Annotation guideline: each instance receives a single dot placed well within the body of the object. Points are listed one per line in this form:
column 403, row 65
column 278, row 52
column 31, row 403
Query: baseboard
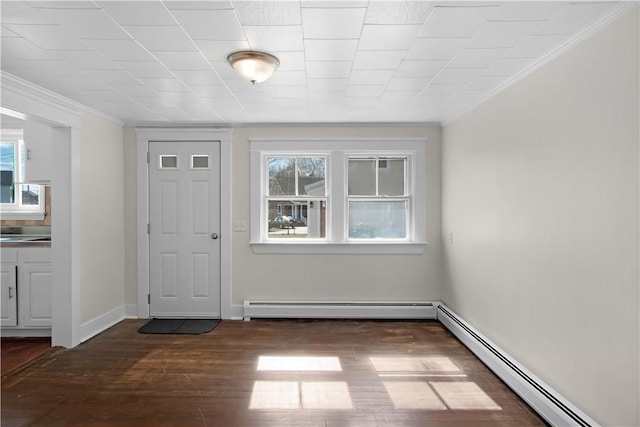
column 340, row 309
column 103, row 322
column 131, row 311
column 548, row 403
column 25, row 332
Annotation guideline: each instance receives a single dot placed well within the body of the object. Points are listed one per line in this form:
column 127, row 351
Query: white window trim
column 338, row 151
column 15, row 211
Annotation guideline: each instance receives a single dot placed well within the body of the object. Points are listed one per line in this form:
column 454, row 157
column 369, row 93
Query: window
column 18, row 200
column 338, row 196
column 296, row 202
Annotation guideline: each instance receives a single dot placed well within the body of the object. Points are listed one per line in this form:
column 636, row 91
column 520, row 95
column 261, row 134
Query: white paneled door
column 184, row 223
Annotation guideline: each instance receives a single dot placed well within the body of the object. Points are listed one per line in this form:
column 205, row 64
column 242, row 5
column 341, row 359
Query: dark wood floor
column 17, row 352
column 265, row 373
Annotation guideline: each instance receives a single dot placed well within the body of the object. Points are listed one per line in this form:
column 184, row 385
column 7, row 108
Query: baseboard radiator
column 543, row 399
column 339, row 309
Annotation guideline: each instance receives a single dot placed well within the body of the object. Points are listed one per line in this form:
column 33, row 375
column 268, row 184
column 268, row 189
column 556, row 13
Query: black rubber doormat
column 179, row 326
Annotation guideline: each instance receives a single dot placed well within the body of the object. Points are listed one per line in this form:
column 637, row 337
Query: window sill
column 21, row 216
column 316, row 248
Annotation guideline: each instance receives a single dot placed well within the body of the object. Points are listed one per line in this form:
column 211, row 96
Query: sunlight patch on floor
column 413, row 395
column 464, row 395
column 275, row 395
column 414, row 364
column 326, row 395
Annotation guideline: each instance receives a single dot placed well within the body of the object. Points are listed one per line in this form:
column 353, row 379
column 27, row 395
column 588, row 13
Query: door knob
column 214, row 236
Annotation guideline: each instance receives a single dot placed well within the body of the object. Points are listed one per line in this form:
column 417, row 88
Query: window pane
column 311, row 176
column 7, row 170
column 391, row 177
column 297, row 219
column 362, row 177
column 169, row 161
column 30, row 195
column 200, row 161
column 282, row 180
column 370, row 220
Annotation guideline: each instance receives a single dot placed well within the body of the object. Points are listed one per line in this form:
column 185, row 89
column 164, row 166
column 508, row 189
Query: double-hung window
column 17, row 200
column 338, row 196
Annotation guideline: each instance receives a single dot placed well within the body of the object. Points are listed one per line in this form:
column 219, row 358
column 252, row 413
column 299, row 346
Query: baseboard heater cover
column 339, row 309
column 549, row 404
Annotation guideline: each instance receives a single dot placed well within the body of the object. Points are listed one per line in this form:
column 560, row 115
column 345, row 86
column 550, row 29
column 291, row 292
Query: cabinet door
column 8, row 297
column 35, row 295
column 37, row 142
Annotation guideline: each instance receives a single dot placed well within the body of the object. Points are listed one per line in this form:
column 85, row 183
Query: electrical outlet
column 240, row 225
column 451, row 237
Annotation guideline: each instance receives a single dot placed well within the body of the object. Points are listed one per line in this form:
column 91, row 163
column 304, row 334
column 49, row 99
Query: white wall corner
column 131, row 311
column 103, row 322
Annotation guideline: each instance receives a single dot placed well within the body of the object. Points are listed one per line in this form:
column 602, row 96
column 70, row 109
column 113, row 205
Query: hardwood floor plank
column 122, row 378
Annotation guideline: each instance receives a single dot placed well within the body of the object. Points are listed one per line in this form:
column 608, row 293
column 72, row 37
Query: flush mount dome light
column 255, row 67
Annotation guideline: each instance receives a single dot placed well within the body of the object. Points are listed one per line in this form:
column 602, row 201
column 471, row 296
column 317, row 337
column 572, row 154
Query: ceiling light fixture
column 255, row 67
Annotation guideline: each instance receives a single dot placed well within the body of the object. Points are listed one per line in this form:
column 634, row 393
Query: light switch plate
column 240, row 225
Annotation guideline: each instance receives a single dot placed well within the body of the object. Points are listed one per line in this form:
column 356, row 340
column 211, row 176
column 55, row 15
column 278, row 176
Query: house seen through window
column 15, row 196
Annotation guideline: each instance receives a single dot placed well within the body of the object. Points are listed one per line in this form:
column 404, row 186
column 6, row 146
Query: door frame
column 146, row 135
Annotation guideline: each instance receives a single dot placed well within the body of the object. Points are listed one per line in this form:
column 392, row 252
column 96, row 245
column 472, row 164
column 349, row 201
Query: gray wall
column 540, row 190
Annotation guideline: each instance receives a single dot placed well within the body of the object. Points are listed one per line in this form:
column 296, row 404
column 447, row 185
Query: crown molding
column 617, row 12
column 16, row 85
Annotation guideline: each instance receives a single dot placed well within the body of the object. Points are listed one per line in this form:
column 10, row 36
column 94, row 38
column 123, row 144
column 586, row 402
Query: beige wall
column 313, row 277
column 540, row 188
column 102, row 275
column 335, row 277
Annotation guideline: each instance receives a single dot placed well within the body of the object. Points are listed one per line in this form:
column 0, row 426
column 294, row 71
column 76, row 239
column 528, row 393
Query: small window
column 168, row 161
column 377, row 201
column 16, row 198
column 200, row 161
column 295, row 197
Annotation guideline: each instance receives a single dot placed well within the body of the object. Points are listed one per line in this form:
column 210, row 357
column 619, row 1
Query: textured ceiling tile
column 503, row 34
column 21, row 48
column 507, row 67
column 330, row 50
column 370, row 77
column 121, row 50
column 398, row 12
column 165, row 85
column 378, row 59
column 161, row 38
column 287, row 78
column 574, row 17
column 114, row 77
column 49, row 36
column 417, row 68
column 134, row 90
column 456, row 21
column 334, row 3
column 408, row 83
column 477, row 58
column 527, row 10
column 192, row 61
column 485, row 83
column 332, row 23
column 272, row 38
column 364, row 90
column 138, row 12
column 327, row 84
column 268, row 12
column 146, row 69
column 89, row 60
column 288, row 91
column 442, row 89
column 18, row 12
column 86, row 23
column 219, row 50
column 536, row 46
column 210, row 24
column 325, row 96
column 198, row 78
column 198, row 5
column 387, row 37
column 458, row 75
column 211, row 91
column 328, row 69
column 290, row 61
column 398, row 96
column 436, row 49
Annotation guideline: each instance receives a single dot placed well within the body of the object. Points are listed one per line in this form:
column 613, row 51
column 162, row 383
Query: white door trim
column 144, row 135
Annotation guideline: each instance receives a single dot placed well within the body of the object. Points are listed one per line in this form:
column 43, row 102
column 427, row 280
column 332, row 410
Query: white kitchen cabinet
column 9, row 297
column 26, row 290
column 37, row 154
